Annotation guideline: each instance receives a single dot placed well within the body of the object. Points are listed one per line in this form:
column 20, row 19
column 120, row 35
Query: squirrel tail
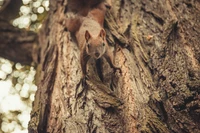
column 73, row 24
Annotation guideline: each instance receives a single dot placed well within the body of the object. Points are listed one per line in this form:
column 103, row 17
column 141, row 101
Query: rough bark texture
column 159, row 54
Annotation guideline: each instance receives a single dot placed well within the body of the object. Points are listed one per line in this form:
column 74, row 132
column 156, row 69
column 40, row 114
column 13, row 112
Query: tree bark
column 158, row 91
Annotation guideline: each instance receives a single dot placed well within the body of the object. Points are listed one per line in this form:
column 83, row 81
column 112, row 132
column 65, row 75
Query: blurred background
column 17, row 88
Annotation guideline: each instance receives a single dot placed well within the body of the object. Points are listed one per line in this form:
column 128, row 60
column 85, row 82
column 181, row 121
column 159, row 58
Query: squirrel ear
column 108, row 4
column 102, row 33
column 87, row 35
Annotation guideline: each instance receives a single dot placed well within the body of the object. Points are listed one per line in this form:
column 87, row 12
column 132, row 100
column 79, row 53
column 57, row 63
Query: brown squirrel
column 92, row 42
column 91, row 36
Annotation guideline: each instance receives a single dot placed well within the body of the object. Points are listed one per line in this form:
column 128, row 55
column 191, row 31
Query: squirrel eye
column 103, row 44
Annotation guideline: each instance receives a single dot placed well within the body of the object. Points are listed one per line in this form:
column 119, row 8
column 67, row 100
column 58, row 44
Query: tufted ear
column 87, row 35
column 102, row 33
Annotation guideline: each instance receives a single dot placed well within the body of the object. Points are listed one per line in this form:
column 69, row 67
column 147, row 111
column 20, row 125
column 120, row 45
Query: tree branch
column 16, row 44
column 10, row 9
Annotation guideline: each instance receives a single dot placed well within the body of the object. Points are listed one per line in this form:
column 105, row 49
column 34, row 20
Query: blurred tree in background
column 17, row 84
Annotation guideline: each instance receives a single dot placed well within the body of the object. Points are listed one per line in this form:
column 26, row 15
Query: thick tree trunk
column 158, row 91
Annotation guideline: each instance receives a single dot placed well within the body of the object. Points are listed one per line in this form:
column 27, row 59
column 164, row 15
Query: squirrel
column 90, row 34
column 92, row 42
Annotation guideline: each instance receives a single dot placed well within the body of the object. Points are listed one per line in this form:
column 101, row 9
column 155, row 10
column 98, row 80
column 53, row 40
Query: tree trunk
column 157, row 48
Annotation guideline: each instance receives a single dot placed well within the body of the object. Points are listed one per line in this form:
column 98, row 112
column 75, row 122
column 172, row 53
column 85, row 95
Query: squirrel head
column 95, row 46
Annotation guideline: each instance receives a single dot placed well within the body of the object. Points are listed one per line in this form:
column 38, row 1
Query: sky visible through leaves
column 31, row 14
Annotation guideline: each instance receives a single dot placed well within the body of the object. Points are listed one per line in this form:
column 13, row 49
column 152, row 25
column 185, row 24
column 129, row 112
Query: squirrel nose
column 97, row 54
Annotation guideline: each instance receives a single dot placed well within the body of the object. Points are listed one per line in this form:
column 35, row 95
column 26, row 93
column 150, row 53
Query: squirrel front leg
column 84, row 57
column 109, row 57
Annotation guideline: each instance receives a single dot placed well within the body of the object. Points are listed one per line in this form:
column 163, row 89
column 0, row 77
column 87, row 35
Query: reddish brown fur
column 98, row 14
column 88, row 29
column 73, row 25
